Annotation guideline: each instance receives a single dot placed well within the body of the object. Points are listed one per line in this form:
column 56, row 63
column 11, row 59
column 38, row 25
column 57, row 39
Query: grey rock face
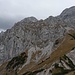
column 30, row 32
column 68, row 16
column 69, row 12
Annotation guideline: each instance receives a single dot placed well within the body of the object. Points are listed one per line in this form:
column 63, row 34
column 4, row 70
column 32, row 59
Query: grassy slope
column 2, row 70
column 66, row 46
column 71, row 73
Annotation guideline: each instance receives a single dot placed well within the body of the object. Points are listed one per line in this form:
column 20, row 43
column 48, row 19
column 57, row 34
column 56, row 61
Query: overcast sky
column 12, row 11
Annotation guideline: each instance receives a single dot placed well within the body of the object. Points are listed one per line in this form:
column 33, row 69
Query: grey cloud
column 5, row 23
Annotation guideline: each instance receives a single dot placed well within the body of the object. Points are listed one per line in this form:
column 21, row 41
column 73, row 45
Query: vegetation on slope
column 33, row 73
column 17, row 61
column 58, row 70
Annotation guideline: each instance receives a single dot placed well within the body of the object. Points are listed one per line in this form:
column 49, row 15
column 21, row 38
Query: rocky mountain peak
column 32, row 33
column 35, row 44
column 68, row 12
column 29, row 19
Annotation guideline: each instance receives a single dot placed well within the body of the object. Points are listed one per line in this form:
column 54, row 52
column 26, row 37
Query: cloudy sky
column 12, row 11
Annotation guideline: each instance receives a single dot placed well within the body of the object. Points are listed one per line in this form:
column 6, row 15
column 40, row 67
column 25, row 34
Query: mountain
column 32, row 46
column 68, row 15
column 69, row 12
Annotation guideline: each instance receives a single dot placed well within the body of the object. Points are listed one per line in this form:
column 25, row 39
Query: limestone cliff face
column 31, row 32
